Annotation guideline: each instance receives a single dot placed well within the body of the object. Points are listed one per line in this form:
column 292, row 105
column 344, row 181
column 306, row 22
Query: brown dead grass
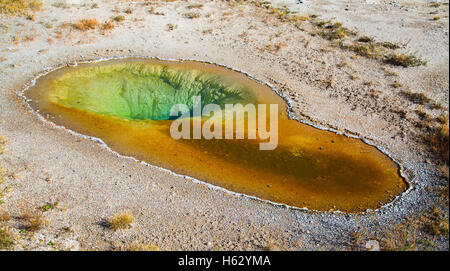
column 438, row 141
column 6, row 238
column 275, row 48
column 195, row 6
column 402, row 238
column 108, row 25
column 121, row 221
column 4, row 216
column 19, row 7
column 404, row 60
column 31, row 217
column 119, row 18
column 86, row 24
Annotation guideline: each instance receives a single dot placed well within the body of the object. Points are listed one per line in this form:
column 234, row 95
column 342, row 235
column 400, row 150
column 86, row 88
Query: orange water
column 310, row 168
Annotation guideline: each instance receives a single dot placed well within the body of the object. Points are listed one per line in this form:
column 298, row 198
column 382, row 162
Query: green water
column 140, row 91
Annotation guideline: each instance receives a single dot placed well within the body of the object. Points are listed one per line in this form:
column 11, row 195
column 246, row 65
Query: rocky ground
column 59, row 191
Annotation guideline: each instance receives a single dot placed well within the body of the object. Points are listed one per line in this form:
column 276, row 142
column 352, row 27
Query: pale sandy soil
column 47, row 165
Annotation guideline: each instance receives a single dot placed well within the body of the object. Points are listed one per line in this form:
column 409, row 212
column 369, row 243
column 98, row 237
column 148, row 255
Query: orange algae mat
column 126, row 103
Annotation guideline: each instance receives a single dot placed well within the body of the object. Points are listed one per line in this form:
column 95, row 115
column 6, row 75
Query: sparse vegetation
column 442, row 119
column 298, row 17
column 390, row 45
column 121, row 221
column 192, row 15
column 195, row 6
column 354, row 77
column 4, row 216
column 86, row 24
column 334, row 31
column 404, row 60
column 436, row 222
column 171, row 27
column 154, row 12
column 28, row 38
column 19, row 7
column 365, row 39
column 49, row 206
column 61, row 5
column 207, row 31
column 389, row 72
column 396, row 84
column 108, row 25
column 417, row 98
column 368, row 50
column 435, row 4
column 436, row 18
column 401, row 238
column 275, row 48
column 6, row 238
column 119, row 18
column 31, row 217
column 438, row 141
column 343, row 37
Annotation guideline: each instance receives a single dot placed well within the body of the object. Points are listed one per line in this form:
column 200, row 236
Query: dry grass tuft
column 435, row 4
column 192, row 15
column 389, row 72
column 367, row 50
column 442, row 119
column 390, row 45
column 436, row 223
column 275, row 48
column 396, row 84
column 6, row 238
column 401, row 238
column 354, row 77
column 438, row 141
column 108, row 25
column 2, row 143
column 119, row 18
column 121, row 221
column 417, row 98
column 4, row 216
column 86, row 24
column 19, row 7
column 32, row 217
column 365, row 39
column 171, row 27
column 334, row 31
column 207, row 31
column 195, row 6
column 404, row 60
column 302, row 18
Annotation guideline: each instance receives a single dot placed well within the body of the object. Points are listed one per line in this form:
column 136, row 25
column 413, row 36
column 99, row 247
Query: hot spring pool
column 127, row 103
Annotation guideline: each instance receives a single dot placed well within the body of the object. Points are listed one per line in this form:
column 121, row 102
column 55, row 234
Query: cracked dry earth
column 328, row 86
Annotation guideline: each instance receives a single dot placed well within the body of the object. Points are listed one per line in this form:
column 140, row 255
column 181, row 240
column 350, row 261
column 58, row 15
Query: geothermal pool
column 127, row 104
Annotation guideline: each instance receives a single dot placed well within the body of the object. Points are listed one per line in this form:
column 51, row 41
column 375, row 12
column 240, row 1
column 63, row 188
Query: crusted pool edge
column 289, row 110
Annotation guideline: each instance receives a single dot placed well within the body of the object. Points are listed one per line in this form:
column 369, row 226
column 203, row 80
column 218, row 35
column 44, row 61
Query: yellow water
column 310, row 167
